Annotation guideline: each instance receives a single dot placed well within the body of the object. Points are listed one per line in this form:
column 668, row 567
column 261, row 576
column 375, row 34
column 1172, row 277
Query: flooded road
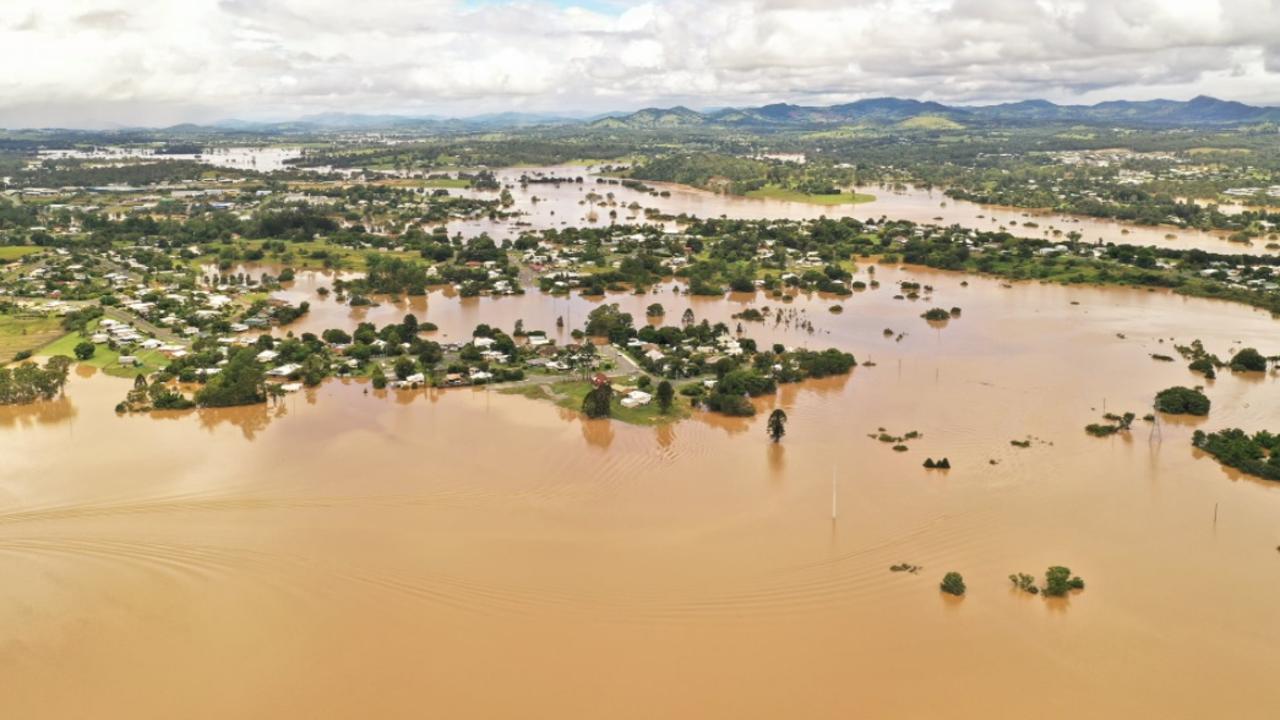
column 567, row 205
column 467, row 554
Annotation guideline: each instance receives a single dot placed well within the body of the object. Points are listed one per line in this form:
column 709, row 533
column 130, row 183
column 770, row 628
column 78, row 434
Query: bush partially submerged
column 953, row 584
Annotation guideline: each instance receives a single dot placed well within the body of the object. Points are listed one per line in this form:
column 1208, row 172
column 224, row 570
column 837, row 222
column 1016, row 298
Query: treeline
column 82, row 174
column 1257, row 454
column 29, row 382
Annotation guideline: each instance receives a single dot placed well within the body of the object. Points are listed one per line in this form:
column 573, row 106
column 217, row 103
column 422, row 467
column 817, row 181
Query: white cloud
column 78, row 62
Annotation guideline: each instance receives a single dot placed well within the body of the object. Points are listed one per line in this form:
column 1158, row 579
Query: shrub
column 953, row 584
column 85, row 350
column 1058, row 581
column 1024, row 582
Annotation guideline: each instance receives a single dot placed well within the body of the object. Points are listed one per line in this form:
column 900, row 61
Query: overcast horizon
column 150, row 63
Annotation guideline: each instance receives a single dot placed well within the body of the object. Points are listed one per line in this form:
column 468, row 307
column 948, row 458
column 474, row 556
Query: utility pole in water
column 834, row 505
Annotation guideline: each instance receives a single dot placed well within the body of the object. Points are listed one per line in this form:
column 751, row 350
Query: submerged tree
column 1182, row 400
column 777, row 426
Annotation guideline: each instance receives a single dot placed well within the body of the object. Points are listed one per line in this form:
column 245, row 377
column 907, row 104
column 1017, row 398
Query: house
column 635, row 398
column 284, row 370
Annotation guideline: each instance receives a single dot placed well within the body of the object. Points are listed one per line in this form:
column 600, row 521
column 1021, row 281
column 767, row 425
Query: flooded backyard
column 465, row 553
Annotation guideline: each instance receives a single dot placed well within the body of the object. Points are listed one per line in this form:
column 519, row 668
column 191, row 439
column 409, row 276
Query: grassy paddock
column 19, row 333
column 570, row 394
column 773, row 192
column 13, row 252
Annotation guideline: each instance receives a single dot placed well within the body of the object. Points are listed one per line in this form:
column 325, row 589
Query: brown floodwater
column 469, row 554
column 566, row 205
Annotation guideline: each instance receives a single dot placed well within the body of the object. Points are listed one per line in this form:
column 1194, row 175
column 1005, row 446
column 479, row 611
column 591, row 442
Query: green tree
column 1249, row 360
column 1058, row 581
column 240, row 382
column 314, row 368
column 665, row 395
column 777, row 426
column 405, row 367
column 1182, row 401
column 85, row 350
column 597, row 403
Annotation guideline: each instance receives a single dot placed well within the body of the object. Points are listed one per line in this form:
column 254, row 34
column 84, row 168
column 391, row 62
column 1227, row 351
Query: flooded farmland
column 545, row 205
column 465, row 553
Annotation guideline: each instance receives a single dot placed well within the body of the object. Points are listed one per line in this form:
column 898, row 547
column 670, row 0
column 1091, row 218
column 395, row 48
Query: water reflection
column 51, row 412
column 250, row 420
column 597, row 433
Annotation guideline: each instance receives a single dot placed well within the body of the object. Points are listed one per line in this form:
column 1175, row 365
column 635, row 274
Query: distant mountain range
column 1198, row 111
column 883, row 112
column 372, row 123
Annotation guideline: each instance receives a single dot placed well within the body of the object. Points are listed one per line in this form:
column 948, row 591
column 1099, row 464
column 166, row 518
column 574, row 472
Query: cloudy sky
column 85, row 63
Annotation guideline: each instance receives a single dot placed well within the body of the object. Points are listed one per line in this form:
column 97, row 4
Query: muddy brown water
column 468, row 554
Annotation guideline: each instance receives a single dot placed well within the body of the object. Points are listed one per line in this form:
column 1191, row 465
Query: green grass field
column 445, row 183
column 13, row 252
column 26, row 333
column 570, row 393
column 773, row 192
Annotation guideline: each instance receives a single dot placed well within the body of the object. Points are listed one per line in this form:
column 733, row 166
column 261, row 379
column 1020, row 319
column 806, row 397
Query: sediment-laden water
column 468, row 554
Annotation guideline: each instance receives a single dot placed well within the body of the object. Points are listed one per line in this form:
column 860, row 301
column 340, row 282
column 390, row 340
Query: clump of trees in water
column 943, row 464
column 1248, row 360
column 1118, row 423
column 29, row 382
column 1257, row 454
column 953, row 584
column 936, row 315
column 1180, row 400
column 1202, row 361
column 153, row 396
column 1058, row 581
